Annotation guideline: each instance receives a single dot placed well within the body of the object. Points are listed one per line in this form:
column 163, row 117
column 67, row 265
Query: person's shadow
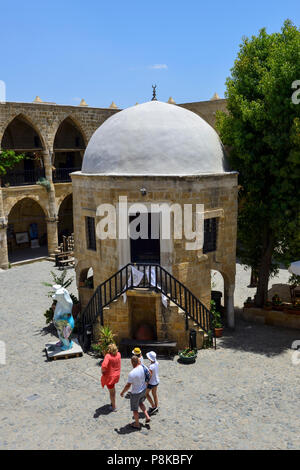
column 128, row 429
column 103, row 410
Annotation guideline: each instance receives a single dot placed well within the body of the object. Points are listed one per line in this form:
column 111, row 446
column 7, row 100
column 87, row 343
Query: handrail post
column 101, row 308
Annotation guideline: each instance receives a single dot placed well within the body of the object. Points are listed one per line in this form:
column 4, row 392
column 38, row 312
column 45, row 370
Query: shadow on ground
column 128, row 429
column 260, row 339
column 103, row 410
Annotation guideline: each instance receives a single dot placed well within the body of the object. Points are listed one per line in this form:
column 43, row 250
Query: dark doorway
column 146, row 250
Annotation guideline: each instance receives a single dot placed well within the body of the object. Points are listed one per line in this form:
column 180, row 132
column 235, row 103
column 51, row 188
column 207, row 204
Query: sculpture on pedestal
column 63, row 319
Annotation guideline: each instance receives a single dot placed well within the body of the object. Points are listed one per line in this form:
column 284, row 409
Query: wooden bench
column 64, row 259
column 146, row 346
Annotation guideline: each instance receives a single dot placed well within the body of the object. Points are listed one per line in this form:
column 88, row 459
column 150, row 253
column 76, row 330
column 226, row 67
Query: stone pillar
column 229, row 304
column 52, row 220
column 52, row 234
column 3, row 235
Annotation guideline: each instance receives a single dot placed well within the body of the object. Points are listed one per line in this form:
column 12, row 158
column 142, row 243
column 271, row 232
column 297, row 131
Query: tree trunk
column 264, row 270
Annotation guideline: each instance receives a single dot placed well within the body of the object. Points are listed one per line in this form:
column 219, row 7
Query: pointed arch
column 65, row 217
column 21, row 132
column 68, row 148
column 72, row 121
column 27, row 228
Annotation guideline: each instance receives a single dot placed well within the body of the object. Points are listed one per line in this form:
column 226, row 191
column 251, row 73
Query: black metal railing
column 154, row 277
column 62, row 175
column 22, row 177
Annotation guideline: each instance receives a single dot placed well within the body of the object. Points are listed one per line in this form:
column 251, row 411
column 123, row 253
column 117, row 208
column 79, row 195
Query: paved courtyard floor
column 244, row 395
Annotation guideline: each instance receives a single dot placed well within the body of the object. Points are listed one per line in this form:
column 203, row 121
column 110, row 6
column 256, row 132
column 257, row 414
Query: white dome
column 154, row 138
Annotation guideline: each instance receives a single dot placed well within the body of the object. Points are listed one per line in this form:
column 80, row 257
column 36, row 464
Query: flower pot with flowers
column 188, row 356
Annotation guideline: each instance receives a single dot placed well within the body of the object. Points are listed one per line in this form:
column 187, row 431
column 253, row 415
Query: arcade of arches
column 35, row 216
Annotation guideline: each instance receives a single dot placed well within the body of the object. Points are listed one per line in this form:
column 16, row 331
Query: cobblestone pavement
column 244, row 395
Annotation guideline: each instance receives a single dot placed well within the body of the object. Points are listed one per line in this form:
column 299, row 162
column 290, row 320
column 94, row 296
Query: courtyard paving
column 244, row 395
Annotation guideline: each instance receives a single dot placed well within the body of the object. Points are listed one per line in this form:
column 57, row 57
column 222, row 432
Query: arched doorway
column 217, row 291
column 65, row 218
column 69, row 145
column 26, row 231
column 22, row 137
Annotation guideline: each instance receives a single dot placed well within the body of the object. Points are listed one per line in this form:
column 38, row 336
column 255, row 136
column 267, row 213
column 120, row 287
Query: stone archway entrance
column 65, row 218
column 26, row 231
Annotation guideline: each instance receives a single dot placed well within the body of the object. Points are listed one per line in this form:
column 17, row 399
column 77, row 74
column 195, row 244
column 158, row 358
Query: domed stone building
column 154, row 153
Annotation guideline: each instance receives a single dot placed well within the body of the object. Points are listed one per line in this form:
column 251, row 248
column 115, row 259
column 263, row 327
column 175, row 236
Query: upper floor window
column 90, row 233
column 210, row 235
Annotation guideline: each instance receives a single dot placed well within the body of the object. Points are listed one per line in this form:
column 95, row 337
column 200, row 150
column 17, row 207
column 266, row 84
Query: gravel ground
column 244, row 395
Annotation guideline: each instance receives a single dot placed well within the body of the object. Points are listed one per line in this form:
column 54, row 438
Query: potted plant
column 276, row 302
column 188, row 356
column 216, row 320
column 106, row 338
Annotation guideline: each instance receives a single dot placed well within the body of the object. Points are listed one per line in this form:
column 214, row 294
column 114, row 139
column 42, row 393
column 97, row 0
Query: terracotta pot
column 219, row 332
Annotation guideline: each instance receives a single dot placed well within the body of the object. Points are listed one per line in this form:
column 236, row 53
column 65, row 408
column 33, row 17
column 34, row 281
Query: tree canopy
column 262, row 132
column 8, row 159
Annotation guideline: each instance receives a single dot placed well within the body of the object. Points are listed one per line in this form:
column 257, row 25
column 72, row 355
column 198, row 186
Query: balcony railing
column 22, row 177
column 62, row 175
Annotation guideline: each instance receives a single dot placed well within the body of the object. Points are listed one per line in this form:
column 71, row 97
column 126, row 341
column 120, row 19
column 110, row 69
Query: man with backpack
column 137, row 381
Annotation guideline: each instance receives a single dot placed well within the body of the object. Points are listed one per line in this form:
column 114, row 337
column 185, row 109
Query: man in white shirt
column 136, row 380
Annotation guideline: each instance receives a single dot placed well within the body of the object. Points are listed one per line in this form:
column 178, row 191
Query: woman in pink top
column 111, row 369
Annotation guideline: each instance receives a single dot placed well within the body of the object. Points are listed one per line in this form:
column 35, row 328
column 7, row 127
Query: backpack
column 147, row 373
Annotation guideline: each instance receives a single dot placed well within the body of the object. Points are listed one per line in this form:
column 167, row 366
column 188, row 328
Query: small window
column 90, row 233
column 210, row 235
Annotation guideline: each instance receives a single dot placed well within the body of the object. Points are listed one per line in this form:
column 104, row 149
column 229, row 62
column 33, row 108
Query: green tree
column 262, row 133
column 8, row 159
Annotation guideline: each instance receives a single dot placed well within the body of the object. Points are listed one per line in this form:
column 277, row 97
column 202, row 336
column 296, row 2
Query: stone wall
column 218, row 193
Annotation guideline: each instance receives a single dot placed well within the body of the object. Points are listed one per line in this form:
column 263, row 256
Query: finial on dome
column 171, row 101
column 113, row 105
column 37, row 100
column 83, row 102
column 154, row 93
column 215, row 97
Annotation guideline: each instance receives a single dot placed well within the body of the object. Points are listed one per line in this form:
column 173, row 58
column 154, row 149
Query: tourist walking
column 138, row 353
column 111, row 369
column 136, row 380
column 153, row 382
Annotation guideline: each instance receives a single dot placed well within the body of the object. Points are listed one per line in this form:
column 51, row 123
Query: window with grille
column 90, row 233
column 210, row 235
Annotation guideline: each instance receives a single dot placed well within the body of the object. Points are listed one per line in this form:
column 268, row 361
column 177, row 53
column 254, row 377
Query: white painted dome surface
column 154, row 138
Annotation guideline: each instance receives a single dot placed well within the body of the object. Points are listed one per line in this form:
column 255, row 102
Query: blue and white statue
column 63, row 319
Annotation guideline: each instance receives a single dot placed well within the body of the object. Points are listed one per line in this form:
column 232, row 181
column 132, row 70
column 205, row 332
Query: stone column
column 3, row 235
column 229, row 304
column 52, row 234
column 52, row 220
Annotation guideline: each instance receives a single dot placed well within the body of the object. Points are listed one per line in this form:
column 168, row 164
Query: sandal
column 132, row 425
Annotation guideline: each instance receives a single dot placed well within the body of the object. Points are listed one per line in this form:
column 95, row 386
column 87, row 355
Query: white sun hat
column 151, row 356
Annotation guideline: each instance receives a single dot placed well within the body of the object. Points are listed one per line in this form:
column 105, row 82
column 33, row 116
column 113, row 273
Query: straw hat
column 136, row 351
